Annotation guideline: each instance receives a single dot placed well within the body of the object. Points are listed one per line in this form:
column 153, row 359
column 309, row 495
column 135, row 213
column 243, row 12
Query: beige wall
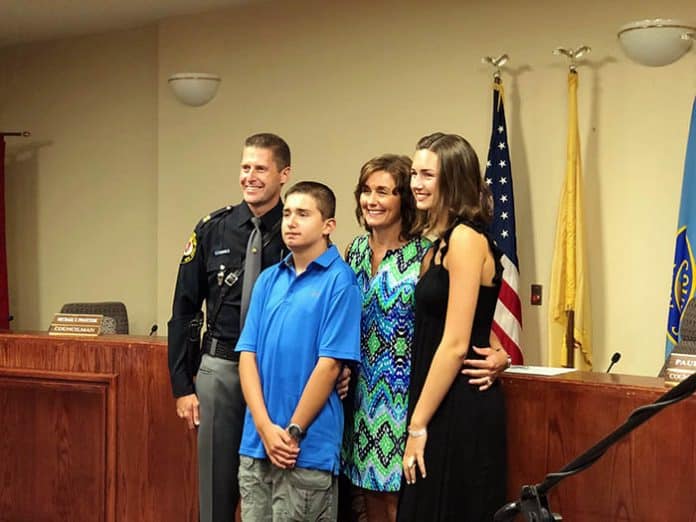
column 346, row 81
column 82, row 191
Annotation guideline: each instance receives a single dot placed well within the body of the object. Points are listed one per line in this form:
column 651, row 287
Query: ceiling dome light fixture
column 194, row 89
column 655, row 42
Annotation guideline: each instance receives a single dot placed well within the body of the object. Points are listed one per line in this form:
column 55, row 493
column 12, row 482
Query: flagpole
column 569, row 314
column 507, row 320
column 682, row 288
column 22, row 134
column 5, row 316
column 572, row 55
column 570, row 340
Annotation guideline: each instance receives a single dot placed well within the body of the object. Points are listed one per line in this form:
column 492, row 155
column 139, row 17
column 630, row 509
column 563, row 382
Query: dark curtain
column 4, row 291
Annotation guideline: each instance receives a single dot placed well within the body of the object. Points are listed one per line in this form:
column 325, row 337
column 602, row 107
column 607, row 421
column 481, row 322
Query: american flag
column 507, row 322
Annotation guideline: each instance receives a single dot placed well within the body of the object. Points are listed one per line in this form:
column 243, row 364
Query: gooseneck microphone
column 153, row 329
column 614, row 359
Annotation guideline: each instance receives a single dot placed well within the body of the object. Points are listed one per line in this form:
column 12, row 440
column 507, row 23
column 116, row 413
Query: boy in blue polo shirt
column 303, row 323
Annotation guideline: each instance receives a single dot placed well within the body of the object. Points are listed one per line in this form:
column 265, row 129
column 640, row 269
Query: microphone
column 10, row 318
column 614, row 359
column 154, row 329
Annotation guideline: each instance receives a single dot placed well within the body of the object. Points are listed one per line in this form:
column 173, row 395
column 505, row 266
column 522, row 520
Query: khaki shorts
column 272, row 494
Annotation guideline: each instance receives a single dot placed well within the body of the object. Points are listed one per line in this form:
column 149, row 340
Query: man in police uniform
column 212, row 270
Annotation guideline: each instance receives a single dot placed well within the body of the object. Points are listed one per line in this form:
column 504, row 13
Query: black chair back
column 114, row 309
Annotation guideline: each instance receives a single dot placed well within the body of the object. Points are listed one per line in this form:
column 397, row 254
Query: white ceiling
column 32, row 20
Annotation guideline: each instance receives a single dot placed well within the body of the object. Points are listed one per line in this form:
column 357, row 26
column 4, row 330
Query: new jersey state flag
column 683, row 272
column 570, row 317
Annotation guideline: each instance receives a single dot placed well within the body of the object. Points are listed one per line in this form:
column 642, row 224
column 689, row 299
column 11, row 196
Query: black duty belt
column 219, row 348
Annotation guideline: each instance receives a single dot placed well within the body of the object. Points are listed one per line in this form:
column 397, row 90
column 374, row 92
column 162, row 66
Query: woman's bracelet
column 417, row 433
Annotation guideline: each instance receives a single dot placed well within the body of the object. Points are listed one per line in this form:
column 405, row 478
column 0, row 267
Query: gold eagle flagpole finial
column 572, row 54
column 496, row 62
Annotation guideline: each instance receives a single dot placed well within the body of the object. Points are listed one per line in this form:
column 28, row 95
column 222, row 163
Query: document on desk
column 538, row 370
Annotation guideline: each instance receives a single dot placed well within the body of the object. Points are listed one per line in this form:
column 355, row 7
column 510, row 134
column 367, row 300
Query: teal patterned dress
column 374, row 442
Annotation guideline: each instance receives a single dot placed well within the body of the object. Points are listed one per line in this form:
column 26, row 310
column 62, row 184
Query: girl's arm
column 465, row 262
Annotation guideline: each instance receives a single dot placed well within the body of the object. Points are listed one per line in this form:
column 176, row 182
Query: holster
column 193, row 343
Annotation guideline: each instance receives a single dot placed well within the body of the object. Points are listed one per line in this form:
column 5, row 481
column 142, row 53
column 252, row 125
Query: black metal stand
column 533, row 504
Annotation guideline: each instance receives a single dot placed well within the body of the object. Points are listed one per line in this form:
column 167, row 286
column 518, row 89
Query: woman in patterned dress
column 387, row 261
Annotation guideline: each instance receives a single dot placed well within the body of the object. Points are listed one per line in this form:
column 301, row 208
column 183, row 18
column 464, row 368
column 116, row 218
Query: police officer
column 212, row 270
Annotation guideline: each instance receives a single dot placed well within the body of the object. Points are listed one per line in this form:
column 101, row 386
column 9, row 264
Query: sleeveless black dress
column 465, row 454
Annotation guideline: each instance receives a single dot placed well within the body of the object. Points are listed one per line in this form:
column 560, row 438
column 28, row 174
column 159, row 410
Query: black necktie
column 252, row 266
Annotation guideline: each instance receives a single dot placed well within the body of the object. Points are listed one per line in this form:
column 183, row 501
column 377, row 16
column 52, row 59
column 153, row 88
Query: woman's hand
column 414, row 455
column 484, row 372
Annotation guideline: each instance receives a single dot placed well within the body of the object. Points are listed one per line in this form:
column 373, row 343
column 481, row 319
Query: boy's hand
column 280, row 446
column 343, row 382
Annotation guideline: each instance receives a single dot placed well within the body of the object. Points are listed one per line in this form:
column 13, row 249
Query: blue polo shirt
column 292, row 321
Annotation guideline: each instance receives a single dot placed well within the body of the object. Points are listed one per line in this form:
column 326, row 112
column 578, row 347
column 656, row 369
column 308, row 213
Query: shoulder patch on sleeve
column 190, row 249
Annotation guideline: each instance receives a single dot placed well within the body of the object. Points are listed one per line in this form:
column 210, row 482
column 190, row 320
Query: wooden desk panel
column 91, row 433
column 154, row 444
column 56, row 433
column 55, row 465
column 648, row 476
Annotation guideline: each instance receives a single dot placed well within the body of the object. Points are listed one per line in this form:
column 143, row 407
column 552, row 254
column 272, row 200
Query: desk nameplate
column 85, row 325
column 679, row 367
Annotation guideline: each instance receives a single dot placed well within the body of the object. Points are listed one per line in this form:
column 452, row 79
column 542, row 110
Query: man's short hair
column 273, row 142
column 323, row 195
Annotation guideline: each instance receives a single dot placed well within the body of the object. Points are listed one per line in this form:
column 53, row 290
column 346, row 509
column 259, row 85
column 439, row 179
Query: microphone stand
column 534, row 505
